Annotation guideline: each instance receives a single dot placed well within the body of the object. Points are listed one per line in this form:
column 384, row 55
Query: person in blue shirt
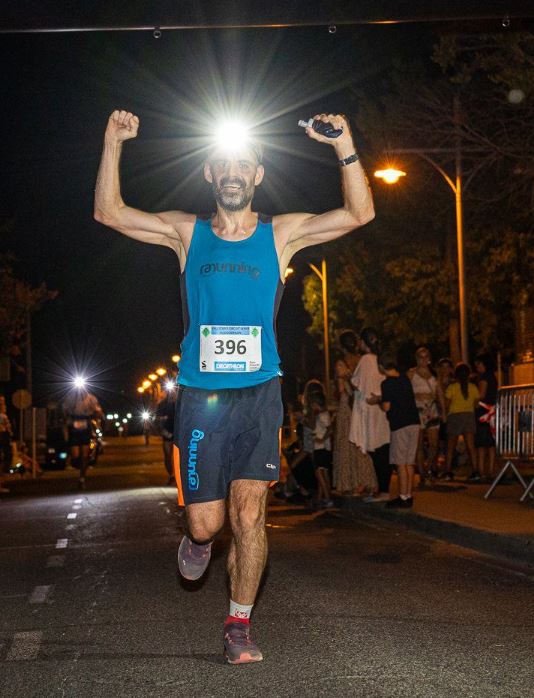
column 232, row 268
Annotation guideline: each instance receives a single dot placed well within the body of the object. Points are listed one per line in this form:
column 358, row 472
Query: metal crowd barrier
column 514, row 433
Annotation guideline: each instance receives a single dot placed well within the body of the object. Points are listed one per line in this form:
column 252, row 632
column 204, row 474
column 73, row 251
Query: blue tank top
column 231, row 292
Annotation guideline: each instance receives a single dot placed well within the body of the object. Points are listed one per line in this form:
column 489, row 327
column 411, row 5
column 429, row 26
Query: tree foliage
column 400, row 273
column 17, row 299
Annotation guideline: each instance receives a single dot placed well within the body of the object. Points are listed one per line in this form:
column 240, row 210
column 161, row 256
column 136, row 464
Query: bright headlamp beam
column 79, row 382
column 231, row 135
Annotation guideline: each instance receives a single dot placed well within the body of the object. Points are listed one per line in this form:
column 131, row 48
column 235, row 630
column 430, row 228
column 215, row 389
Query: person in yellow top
column 461, row 398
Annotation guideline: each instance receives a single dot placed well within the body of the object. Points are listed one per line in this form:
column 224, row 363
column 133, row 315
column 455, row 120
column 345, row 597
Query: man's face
column 233, row 177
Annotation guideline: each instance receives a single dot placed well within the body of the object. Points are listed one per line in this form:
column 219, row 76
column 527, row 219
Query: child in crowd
column 462, row 398
column 322, row 450
column 397, row 399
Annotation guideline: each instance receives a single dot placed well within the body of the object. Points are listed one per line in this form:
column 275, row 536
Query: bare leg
column 470, row 443
column 409, row 487
column 402, row 471
column 452, row 441
column 433, row 443
column 481, row 460
column 84, row 460
column 248, row 550
column 167, row 457
column 491, row 462
column 420, row 458
column 205, row 520
column 324, row 485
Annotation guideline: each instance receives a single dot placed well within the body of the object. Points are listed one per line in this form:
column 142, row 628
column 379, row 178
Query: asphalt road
column 92, row 604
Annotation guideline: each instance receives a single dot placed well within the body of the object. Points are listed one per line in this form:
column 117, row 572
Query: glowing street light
column 140, row 390
column 145, row 415
column 390, row 175
column 153, row 376
column 161, row 371
column 175, row 358
column 146, row 384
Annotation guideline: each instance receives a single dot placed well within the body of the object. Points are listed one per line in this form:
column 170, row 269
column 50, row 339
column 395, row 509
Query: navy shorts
column 226, row 435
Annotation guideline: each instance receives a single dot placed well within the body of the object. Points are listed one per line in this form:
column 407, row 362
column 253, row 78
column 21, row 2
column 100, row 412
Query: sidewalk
column 458, row 513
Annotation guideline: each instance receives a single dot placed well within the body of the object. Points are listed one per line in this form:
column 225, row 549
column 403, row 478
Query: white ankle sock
column 405, row 496
column 239, row 611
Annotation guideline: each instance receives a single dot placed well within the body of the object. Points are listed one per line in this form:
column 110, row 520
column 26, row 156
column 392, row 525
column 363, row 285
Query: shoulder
column 182, row 222
column 285, row 225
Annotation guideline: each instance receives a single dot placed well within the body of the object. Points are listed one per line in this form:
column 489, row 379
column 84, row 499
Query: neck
column 235, row 223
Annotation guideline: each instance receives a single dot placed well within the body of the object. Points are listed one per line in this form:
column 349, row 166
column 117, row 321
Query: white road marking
column 71, row 516
column 55, row 561
column 76, row 506
column 78, row 501
column 25, row 645
column 62, row 543
column 40, row 593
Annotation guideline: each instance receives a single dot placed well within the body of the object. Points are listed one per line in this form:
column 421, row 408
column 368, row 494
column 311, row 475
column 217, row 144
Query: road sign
column 21, row 399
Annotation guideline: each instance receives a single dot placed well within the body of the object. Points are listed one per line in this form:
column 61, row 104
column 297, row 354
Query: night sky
column 118, row 312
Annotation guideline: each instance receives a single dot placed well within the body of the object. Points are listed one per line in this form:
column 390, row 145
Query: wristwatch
column 347, row 161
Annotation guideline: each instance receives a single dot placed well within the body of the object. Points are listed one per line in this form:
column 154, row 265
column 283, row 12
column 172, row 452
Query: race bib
column 230, row 348
column 80, row 424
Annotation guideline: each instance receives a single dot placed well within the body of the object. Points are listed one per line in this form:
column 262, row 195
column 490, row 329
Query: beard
column 235, row 200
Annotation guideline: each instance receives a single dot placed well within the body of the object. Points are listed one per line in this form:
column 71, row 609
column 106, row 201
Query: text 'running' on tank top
column 231, row 292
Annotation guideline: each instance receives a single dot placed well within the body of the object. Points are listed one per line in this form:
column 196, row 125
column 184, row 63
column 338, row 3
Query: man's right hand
column 122, row 125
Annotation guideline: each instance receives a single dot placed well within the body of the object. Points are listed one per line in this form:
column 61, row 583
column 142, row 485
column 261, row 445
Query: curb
column 517, row 549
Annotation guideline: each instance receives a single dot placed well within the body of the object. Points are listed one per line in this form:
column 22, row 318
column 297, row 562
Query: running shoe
column 400, row 503
column 474, row 477
column 193, row 559
column 239, row 647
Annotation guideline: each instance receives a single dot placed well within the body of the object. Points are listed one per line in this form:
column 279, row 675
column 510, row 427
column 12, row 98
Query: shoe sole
column 244, row 658
column 187, row 575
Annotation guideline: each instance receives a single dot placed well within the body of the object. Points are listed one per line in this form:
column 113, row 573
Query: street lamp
column 391, row 176
column 323, row 277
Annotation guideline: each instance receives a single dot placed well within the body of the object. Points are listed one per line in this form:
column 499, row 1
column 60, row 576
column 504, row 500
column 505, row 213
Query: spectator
column 484, row 439
column 398, row 401
column 462, row 398
column 6, row 435
column 322, row 450
column 445, row 376
column 165, row 412
column 353, row 472
column 369, row 428
column 431, row 407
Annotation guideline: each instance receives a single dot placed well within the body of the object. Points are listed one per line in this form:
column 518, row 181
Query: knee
column 248, row 518
column 203, row 528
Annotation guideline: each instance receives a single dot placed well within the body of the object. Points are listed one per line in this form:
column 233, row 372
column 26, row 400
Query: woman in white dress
column 353, row 472
column 369, row 428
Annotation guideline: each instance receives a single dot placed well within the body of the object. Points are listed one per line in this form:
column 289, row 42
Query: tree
column 18, row 301
column 401, row 277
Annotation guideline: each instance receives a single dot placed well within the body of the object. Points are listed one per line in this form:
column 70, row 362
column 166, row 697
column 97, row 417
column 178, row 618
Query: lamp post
column 456, row 184
column 323, row 277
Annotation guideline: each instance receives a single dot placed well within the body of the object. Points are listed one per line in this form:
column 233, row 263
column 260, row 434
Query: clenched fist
column 122, row 125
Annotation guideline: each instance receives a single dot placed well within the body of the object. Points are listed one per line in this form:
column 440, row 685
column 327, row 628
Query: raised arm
column 169, row 228
column 299, row 230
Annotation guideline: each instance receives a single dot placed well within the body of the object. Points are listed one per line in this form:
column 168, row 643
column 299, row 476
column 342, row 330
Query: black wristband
column 347, row 161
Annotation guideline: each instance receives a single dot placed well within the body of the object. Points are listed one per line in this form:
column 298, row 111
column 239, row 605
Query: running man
column 233, row 265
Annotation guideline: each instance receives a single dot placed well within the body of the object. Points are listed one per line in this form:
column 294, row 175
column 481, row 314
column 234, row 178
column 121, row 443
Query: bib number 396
column 230, row 348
